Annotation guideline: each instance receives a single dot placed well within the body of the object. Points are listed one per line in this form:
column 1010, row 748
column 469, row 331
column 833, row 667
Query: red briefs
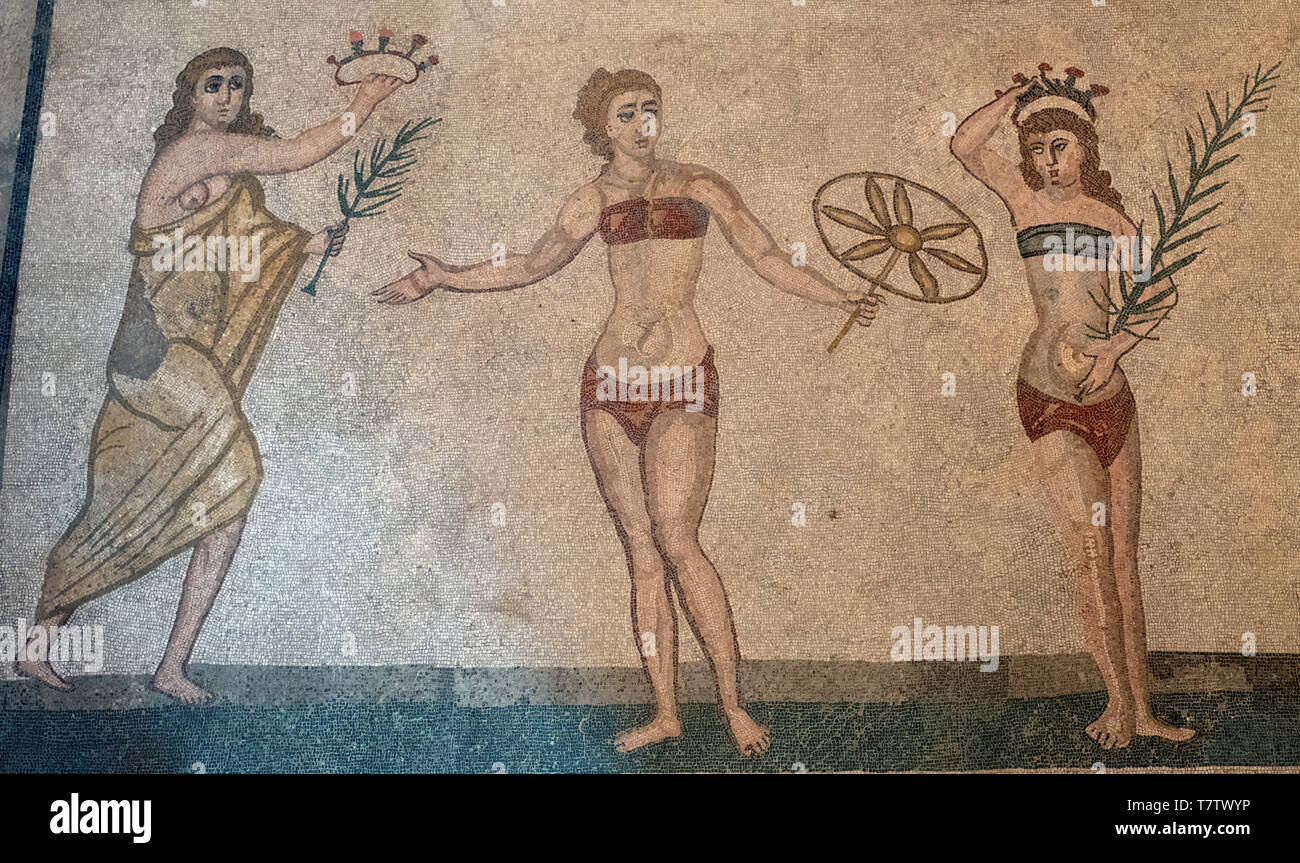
column 1103, row 425
column 636, row 416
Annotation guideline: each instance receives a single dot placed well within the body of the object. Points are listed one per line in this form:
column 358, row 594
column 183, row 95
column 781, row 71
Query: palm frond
column 1173, row 223
column 388, row 162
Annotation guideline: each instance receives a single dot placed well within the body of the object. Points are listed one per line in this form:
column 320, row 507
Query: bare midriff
column 1053, row 360
column 653, row 322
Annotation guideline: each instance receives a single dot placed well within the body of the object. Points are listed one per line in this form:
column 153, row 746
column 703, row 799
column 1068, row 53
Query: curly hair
column 1094, row 181
column 182, row 111
column 593, row 103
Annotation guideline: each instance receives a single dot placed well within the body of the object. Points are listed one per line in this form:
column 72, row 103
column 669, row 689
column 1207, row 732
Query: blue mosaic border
column 17, row 223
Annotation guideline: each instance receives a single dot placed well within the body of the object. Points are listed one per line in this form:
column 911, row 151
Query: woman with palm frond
column 1070, row 220
column 173, row 462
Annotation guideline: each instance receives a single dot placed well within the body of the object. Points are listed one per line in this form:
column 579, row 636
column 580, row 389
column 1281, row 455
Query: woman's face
column 218, row 96
column 634, row 123
column 1058, row 158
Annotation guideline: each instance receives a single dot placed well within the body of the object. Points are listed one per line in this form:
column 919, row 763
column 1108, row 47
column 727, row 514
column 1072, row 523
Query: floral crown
column 1044, row 92
column 354, row 67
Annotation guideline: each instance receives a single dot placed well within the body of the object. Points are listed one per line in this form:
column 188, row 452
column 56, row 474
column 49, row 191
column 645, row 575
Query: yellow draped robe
column 172, row 456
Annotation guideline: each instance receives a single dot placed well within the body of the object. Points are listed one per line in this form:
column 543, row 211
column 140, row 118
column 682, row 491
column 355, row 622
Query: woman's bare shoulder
column 581, row 210
column 688, row 172
column 1120, row 224
column 591, row 195
column 155, row 179
column 171, row 161
column 701, row 183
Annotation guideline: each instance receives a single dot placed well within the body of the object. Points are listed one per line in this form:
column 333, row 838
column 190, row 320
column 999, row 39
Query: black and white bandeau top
column 1068, row 238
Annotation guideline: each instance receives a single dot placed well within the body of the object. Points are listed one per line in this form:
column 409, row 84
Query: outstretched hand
column 431, row 275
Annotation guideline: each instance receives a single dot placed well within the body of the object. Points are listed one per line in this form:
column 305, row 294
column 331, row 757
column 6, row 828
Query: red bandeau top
column 639, row 219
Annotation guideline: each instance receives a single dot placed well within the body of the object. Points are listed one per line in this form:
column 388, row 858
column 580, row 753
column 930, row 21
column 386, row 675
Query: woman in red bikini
column 1070, row 382
column 653, row 457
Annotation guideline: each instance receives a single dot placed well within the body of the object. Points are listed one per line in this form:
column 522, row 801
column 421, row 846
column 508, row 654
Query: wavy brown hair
column 178, row 118
column 1094, row 181
column 593, row 103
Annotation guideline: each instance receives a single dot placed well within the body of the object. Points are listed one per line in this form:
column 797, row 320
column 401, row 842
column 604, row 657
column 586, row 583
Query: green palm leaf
column 1133, row 309
column 387, row 162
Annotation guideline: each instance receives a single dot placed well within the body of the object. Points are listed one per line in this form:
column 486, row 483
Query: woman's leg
column 1074, row 482
column 1125, row 516
column 679, row 471
column 617, row 463
column 209, row 563
column 40, row 669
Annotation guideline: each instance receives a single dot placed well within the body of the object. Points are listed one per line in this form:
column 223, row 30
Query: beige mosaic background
column 374, row 516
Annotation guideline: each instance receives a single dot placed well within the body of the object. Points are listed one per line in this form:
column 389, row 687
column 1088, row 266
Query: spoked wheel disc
column 944, row 248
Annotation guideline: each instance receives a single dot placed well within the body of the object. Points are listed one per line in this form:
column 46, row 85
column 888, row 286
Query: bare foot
column 751, row 738
column 44, row 672
column 1113, row 729
column 177, row 686
column 1149, row 726
column 656, row 730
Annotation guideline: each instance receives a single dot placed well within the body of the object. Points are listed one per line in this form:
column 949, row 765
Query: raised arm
column 574, row 224
column 195, row 157
column 971, row 144
column 753, row 243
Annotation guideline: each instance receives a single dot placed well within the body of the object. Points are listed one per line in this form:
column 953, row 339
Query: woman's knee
column 678, row 542
column 643, row 559
column 648, row 567
column 1092, row 546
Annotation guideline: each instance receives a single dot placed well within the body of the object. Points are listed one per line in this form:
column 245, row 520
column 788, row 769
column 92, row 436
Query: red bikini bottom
column 636, row 416
column 1103, row 425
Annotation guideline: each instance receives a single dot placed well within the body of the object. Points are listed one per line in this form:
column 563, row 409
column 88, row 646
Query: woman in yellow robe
column 173, row 461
